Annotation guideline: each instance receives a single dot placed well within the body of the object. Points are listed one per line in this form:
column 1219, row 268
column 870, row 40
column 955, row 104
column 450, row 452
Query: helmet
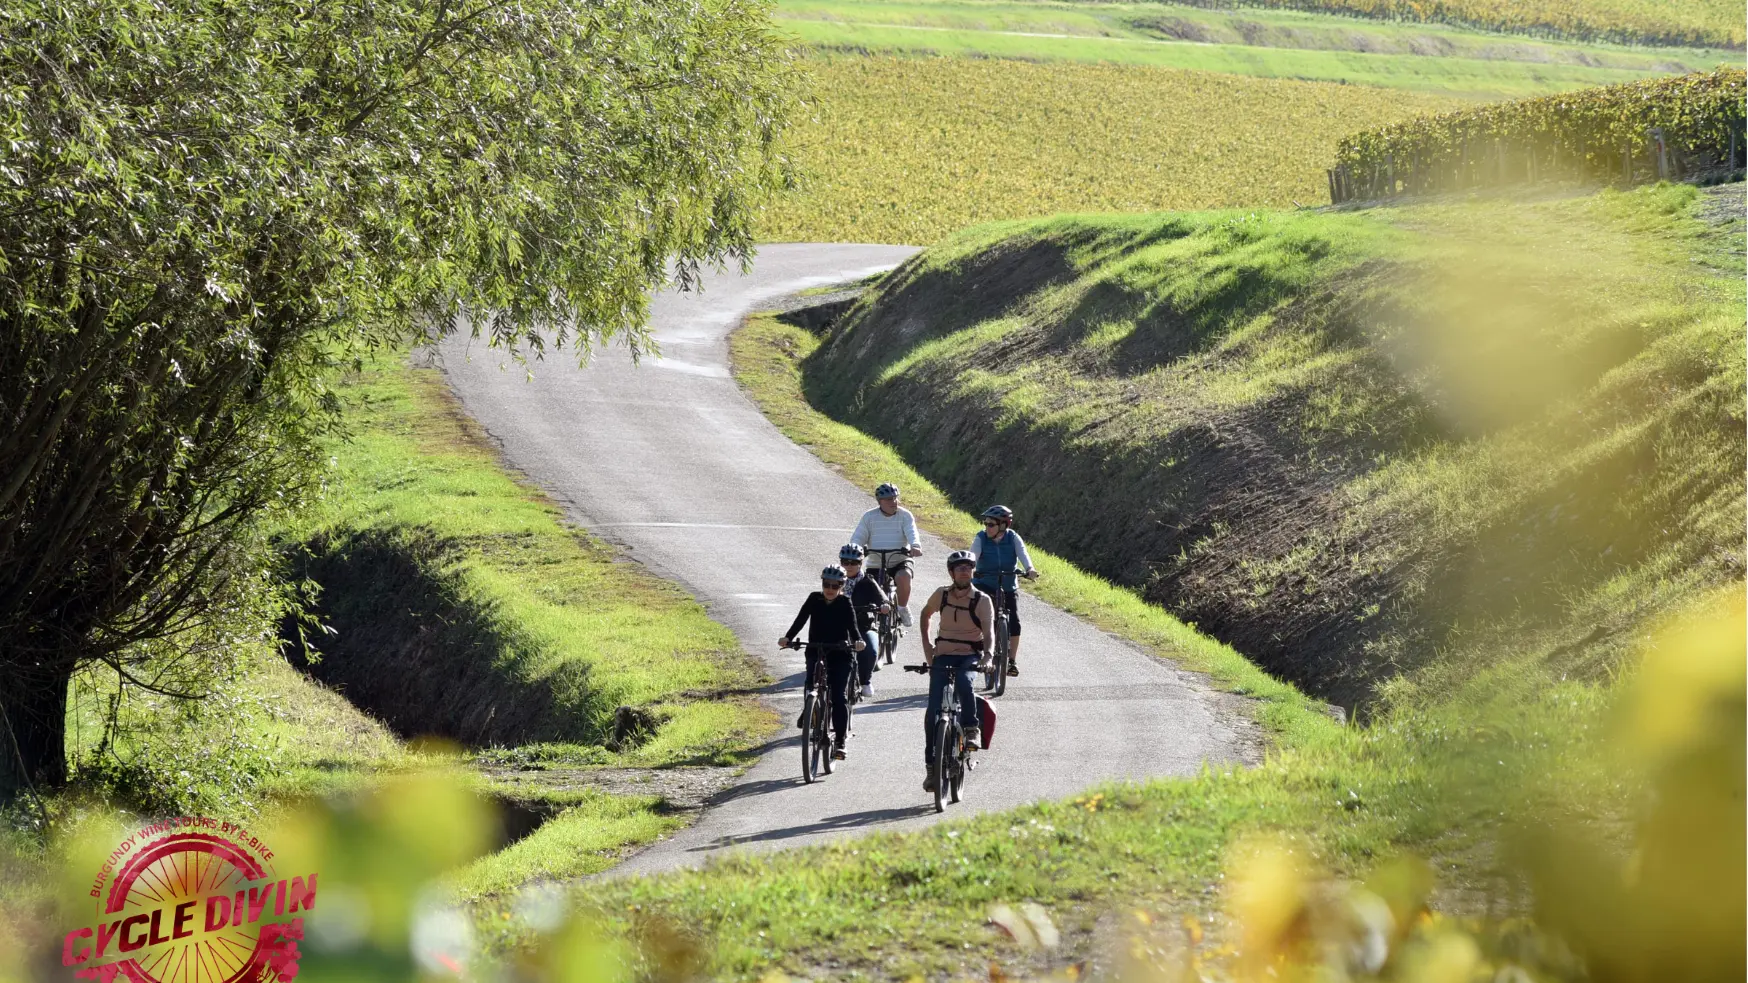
column 886, row 490
column 851, row 552
column 833, row 572
column 1001, row 512
column 958, row 557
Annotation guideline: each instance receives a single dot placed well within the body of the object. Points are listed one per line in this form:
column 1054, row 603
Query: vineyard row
column 1689, row 126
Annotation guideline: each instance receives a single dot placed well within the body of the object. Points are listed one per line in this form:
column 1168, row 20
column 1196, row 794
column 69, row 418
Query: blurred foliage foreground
column 1662, row 900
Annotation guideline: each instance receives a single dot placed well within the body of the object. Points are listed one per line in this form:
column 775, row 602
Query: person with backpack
column 966, row 634
column 1000, row 552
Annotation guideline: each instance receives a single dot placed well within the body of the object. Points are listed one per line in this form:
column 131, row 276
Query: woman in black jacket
column 832, row 622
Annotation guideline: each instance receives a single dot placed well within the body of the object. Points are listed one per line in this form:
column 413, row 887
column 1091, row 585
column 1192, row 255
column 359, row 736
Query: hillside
column 1437, row 437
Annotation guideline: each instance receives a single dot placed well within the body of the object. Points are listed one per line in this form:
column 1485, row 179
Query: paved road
column 670, row 459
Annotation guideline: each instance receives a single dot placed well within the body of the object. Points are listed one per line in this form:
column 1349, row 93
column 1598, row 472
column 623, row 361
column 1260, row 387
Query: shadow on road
column 848, row 821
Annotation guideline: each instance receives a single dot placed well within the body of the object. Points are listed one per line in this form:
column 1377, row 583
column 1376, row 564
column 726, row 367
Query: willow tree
column 207, row 206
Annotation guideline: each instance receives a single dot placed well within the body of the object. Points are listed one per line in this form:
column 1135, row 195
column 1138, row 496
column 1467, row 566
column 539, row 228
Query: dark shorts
column 1013, row 606
column 897, row 563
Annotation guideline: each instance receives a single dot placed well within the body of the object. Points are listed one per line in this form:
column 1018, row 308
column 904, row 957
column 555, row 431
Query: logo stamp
column 191, row 900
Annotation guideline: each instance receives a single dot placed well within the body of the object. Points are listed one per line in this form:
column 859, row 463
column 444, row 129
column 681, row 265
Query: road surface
column 670, row 459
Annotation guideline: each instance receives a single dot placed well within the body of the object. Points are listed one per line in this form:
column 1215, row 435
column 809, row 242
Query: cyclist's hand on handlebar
column 1033, row 575
column 858, row 646
column 885, row 609
column 914, row 551
column 783, row 643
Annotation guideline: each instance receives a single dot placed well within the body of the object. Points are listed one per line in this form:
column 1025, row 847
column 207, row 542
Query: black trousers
column 838, row 666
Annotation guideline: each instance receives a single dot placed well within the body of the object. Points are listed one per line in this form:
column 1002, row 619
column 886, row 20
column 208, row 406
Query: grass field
column 1715, row 22
column 1270, row 44
column 907, row 150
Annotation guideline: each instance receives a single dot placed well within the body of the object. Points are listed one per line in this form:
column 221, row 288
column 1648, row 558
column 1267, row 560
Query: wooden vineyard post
column 1656, row 135
column 1334, row 199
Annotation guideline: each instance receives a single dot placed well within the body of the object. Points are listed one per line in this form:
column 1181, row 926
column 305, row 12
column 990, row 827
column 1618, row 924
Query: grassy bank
column 1436, row 773
column 911, row 149
column 561, row 621
column 1342, row 442
column 466, row 607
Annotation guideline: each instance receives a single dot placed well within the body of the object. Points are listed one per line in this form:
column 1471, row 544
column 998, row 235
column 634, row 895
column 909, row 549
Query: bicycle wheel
column 888, row 637
column 955, row 792
column 822, row 738
column 1001, row 656
column 943, row 733
column 807, row 738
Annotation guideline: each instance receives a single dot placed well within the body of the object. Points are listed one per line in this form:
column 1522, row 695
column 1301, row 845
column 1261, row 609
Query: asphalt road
column 670, row 459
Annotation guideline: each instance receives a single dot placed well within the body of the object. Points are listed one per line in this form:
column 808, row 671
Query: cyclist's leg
column 839, row 667
column 901, row 585
column 1013, row 600
column 870, row 638
column 938, row 676
column 967, row 697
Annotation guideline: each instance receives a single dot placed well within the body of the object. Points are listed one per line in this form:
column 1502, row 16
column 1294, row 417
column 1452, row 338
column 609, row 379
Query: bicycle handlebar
column 916, row 669
column 840, row 646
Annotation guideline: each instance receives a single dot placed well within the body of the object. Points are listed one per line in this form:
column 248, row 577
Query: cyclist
column 888, row 527
column 865, row 592
column 999, row 552
column 967, row 631
column 833, row 622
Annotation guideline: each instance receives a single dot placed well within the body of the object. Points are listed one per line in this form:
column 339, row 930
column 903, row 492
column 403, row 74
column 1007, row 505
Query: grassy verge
column 1012, row 139
column 572, row 612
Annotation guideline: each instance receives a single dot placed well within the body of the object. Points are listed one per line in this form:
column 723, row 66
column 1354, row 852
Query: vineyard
column 1672, row 22
column 911, row 149
column 1687, row 126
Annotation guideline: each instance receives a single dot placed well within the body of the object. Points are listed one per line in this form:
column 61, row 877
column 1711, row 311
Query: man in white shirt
column 893, row 530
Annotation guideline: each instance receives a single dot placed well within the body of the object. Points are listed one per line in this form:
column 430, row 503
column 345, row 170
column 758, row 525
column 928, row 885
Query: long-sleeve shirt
column 880, row 531
column 998, row 558
column 829, row 622
column 865, row 591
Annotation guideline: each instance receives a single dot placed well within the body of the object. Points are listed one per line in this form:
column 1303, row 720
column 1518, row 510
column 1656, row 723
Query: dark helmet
column 849, row 552
column 834, row 574
column 886, row 490
column 999, row 512
column 958, row 557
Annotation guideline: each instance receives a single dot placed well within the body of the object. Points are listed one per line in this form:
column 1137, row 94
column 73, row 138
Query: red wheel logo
column 192, row 900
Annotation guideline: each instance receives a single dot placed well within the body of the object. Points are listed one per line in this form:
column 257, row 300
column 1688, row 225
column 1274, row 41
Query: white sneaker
column 867, row 690
column 904, row 617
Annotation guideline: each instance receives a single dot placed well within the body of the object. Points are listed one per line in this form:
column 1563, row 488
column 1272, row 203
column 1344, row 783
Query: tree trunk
column 34, row 741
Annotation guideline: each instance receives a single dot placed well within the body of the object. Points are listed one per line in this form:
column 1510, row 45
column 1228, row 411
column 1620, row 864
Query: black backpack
column 977, row 597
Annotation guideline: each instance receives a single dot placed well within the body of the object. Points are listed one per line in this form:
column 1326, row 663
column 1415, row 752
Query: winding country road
column 670, row 459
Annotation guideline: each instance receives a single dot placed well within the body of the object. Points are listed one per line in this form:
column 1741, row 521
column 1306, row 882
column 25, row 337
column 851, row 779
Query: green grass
column 1437, row 771
column 767, row 354
column 1266, row 44
column 1470, row 427
column 575, row 606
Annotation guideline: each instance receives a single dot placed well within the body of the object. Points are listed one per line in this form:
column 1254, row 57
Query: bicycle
column 952, row 753
column 995, row 677
column 816, row 742
column 889, row 630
